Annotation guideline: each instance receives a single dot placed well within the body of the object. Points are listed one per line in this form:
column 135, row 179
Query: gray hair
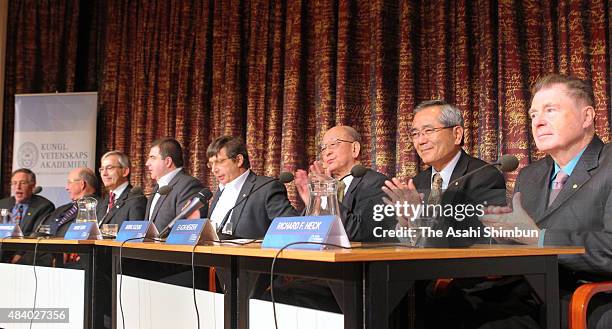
column 89, row 177
column 450, row 115
column 352, row 132
column 123, row 159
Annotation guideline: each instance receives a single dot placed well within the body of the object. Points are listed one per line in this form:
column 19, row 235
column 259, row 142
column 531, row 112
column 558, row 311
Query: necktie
column 19, row 213
column 436, row 190
column 67, row 216
column 557, row 186
column 341, row 188
column 111, row 201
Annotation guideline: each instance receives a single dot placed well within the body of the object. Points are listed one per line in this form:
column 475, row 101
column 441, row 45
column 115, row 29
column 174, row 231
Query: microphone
column 358, row 171
column 196, row 203
column 37, row 190
column 506, row 163
column 284, row 178
column 164, row 190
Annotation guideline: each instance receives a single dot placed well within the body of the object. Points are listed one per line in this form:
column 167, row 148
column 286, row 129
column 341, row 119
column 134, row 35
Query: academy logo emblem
column 27, row 157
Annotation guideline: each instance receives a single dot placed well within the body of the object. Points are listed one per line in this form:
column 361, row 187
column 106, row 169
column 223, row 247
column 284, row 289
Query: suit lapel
column 247, row 187
column 460, row 169
column 26, row 218
column 161, row 199
column 581, row 174
column 118, row 201
column 348, row 196
column 150, row 201
column 214, row 202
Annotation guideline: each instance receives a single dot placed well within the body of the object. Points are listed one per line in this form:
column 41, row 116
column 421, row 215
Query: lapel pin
column 575, row 186
column 456, row 183
column 244, row 195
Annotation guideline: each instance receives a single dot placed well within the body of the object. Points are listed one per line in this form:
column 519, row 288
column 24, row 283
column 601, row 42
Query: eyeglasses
column 333, row 145
column 216, row 163
column 71, row 181
column 21, row 182
column 415, row 133
column 108, row 168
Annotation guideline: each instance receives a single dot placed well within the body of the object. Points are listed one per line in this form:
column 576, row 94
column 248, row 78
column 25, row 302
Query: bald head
column 81, row 182
column 340, row 149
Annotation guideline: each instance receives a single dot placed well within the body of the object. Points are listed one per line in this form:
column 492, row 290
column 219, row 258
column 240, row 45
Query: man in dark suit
column 82, row 182
column 567, row 196
column 25, row 207
column 165, row 165
column 121, row 203
column 357, row 196
column 228, row 160
column 437, row 136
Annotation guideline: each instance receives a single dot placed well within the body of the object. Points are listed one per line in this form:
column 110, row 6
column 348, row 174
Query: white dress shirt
column 446, row 172
column 161, row 182
column 229, row 196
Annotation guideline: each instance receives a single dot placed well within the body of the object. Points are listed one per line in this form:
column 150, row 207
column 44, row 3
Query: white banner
column 55, row 133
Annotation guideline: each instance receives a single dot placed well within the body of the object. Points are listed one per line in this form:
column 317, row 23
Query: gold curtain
column 279, row 73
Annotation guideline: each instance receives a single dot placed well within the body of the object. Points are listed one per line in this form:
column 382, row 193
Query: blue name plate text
column 83, row 231
column 131, row 229
column 285, row 230
column 186, row 231
column 10, row 231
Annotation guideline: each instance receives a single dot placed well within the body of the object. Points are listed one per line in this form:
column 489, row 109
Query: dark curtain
column 279, row 73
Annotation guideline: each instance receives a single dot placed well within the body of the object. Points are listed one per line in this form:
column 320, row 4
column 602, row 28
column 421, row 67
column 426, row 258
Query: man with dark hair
column 25, row 208
column 566, row 197
column 120, row 203
column 165, row 165
column 228, row 160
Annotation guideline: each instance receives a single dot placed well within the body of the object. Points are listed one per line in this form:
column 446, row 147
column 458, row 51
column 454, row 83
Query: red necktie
column 111, row 201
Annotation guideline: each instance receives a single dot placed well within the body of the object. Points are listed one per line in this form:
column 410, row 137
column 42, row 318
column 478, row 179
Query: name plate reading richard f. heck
column 317, row 229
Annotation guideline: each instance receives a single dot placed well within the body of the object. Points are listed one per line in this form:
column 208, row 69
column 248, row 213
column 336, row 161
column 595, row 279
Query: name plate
column 187, row 231
column 10, row 231
column 131, row 229
column 83, row 231
column 321, row 229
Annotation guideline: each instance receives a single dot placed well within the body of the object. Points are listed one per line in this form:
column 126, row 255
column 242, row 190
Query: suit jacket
column 251, row 218
column 39, row 208
column 487, row 187
column 133, row 209
column 581, row 215
column 184, row 187
column 357, row 208
column 61, row 230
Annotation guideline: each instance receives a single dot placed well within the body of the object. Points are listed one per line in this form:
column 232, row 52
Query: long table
column 368, row 283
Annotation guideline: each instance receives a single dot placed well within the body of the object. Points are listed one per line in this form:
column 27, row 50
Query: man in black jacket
column 357, row 196
column 228, row 160
column 25, row 207
column 446, row 202
column 121, row 202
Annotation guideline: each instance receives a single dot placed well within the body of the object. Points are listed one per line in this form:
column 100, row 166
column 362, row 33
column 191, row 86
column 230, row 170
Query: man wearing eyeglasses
column 120, row 203
column 437, row 136
column 24, row 207
column 357, row 196
column 228, row 160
